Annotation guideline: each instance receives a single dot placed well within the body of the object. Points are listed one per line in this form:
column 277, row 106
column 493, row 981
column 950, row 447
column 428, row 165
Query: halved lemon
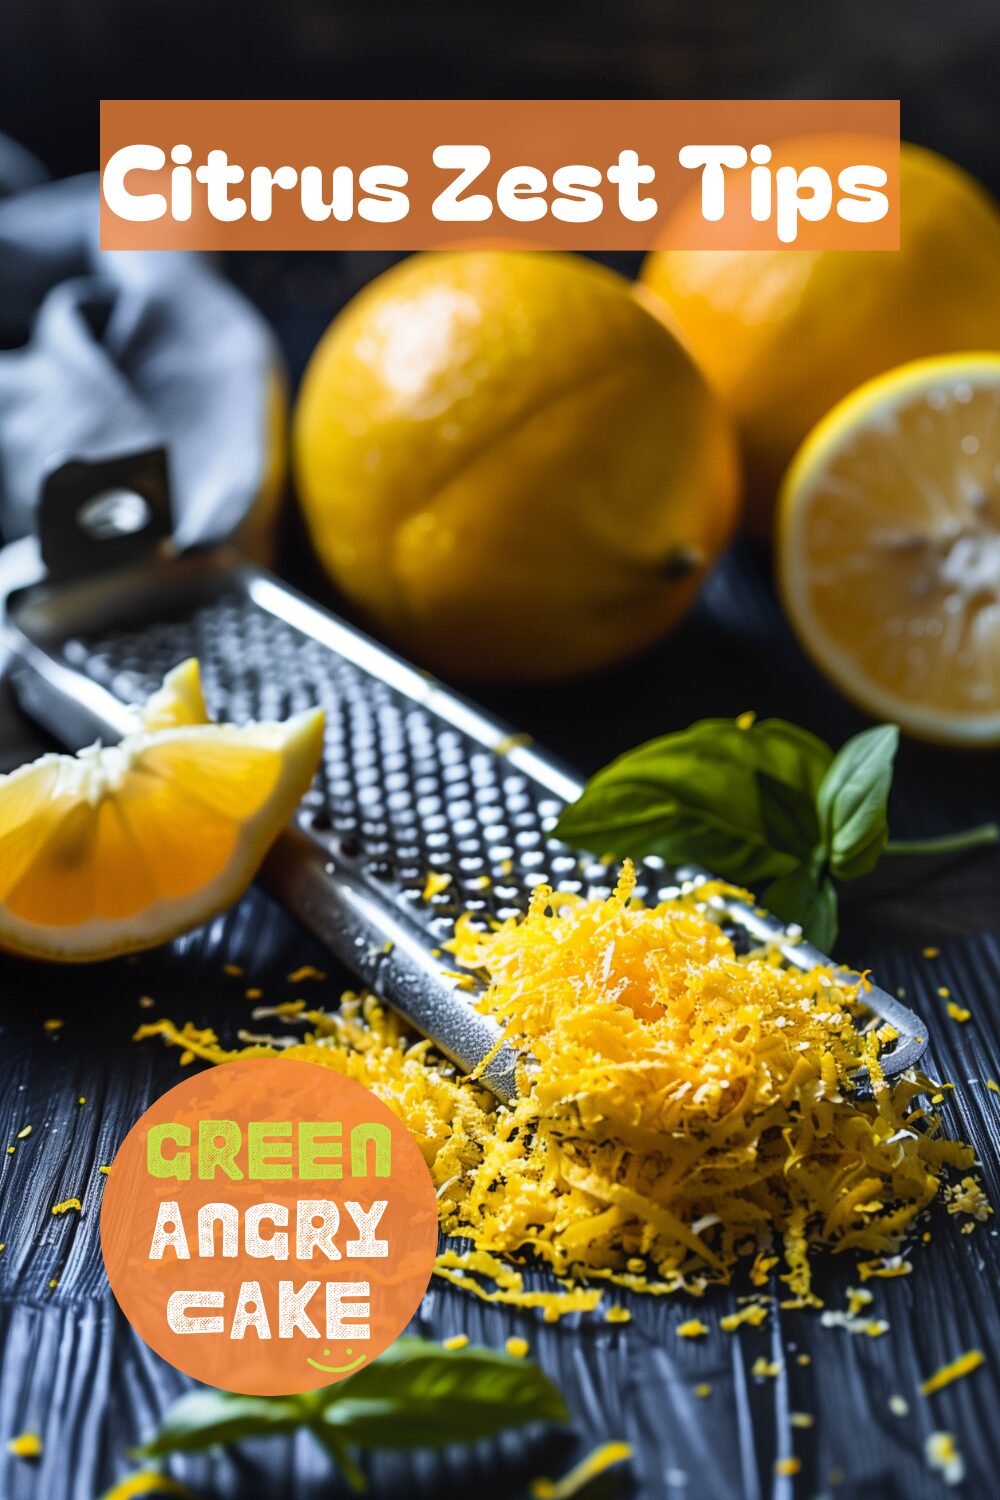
column 889, row 547
column 124, row 846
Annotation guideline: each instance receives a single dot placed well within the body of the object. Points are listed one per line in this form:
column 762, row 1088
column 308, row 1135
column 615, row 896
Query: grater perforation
column 415, row 783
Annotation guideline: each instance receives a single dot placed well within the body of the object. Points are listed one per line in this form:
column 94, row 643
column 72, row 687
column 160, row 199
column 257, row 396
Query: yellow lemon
column 785, row 334
column 179, row 701
column 889, row 547
column 510, row 466
column 123, row 847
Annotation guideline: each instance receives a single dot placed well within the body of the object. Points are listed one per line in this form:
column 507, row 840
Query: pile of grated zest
column 685, row 1108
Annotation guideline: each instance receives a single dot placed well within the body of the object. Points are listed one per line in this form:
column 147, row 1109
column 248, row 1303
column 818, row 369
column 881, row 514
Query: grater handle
column 96, row 514
column 334, row 902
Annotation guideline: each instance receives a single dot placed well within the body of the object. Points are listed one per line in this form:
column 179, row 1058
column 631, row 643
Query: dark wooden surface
column 69, row 1367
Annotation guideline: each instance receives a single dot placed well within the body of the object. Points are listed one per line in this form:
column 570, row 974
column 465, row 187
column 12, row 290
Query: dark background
column 59, row 57
column 68, row 1366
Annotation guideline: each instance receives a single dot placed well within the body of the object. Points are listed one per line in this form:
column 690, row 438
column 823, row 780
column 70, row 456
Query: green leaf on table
column 811, row 901
column 852, row 802
column 205, row 1418
column 415, row 1395
column 737, row 796
column 418, row 1395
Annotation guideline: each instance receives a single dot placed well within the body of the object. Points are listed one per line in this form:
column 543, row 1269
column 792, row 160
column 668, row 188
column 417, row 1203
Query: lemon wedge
column 124, row 846
column 889, row 547
column 179, row 701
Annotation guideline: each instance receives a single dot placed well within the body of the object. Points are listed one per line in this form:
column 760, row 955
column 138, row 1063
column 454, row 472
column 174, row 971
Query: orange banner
column 595, row 174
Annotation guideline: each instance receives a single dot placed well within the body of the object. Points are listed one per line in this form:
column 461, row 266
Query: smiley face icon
column 338, row 1369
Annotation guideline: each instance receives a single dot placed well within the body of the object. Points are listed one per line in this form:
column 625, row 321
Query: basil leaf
column 852, row 802
column 809, row 900
column 789, row 816
column 204, row 1418
column 418, row 1395
column 736, row 799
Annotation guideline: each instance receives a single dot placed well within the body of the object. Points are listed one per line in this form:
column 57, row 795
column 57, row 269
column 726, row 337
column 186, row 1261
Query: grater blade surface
column 415, row 782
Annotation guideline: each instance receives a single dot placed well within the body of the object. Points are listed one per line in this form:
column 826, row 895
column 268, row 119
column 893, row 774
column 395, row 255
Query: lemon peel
column 25, row 1445
column 596, row 1463
column 955, row 1370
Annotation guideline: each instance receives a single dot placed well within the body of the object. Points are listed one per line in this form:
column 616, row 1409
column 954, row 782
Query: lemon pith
column 889, row 547
column 124, row 846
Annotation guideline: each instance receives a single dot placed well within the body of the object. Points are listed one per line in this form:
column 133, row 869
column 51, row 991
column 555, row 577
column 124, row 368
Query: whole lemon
column 509, row 465
column 783, row 335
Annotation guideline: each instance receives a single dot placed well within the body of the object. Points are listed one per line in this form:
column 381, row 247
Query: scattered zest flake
column 788, row 1466
column 767, row 1369
column 885, row 1267
column 703, row 1390
column 694, row 1328
column 598, row 1462
column 435, row 883
column 307, row 971
column 755, row 1313
column 457, row 1341
column 53, row 1025
column 26, row 1445
column 943, row 1456
column 516, row 1347
column 801, row 1418
column 967, row 1197
column 899, row 1406
column 66, row 1205
column 690, row 1111
column 958, row 1012
column 146, row 1482
column 872, row 1328
column 23, row 1134
column 963, row 1365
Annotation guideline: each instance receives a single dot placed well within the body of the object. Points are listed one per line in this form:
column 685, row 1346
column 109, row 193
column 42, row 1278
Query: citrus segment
column 179, row 701
column 889, row 547
column 124, row 846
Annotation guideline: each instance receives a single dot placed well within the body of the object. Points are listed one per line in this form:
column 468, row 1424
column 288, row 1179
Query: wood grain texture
column 71, row 1369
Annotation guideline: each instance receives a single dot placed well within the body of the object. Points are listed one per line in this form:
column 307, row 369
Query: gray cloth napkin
column 108, row 353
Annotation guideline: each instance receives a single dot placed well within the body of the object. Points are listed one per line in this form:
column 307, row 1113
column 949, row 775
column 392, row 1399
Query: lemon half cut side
column 889, row 547
column 122, row 847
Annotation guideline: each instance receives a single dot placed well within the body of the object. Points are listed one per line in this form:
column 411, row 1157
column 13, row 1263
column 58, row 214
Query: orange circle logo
column 269, row 1226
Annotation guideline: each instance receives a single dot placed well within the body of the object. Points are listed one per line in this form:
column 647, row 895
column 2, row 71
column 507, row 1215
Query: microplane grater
column 415, row 780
